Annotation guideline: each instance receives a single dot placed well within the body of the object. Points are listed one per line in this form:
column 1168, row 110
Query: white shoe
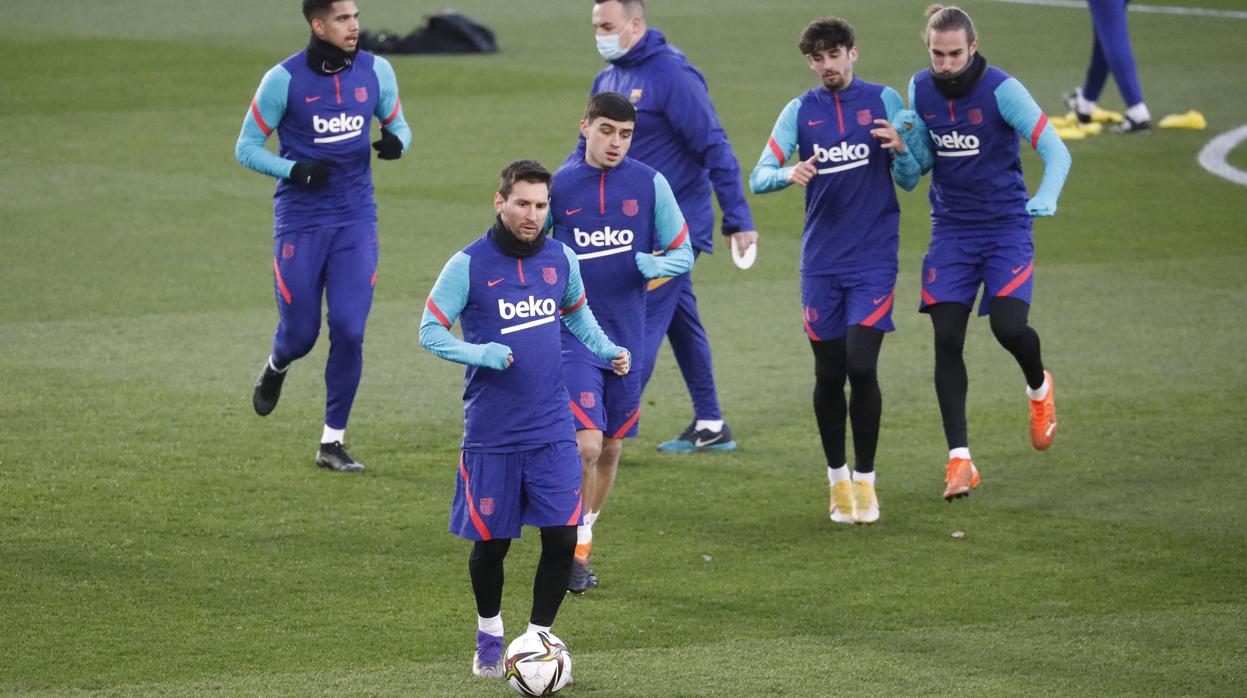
column 865, row 503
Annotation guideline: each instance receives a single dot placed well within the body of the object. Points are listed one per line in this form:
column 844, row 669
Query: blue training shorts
column 955, row 267
column 496, row 493
column 602, row 400
column 832, row 303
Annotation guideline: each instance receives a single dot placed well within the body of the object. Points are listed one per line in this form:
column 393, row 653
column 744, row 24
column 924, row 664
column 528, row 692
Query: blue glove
column 914, row 132
column 649, row 266
column 495, row 356
column 1041, row 205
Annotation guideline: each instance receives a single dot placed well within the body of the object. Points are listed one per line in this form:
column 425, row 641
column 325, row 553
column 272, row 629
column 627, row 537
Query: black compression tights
column 554, row 570
column 1009, row 325
column 855, row 357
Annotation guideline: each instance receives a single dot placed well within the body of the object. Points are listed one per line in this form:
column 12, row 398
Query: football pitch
column 158, row 538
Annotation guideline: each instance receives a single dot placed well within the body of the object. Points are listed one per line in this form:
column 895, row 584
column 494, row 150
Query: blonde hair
column 950, row 18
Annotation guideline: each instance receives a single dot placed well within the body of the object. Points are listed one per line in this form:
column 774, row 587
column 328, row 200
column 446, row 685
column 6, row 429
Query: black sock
column 554, row 571
column 485, row 569
column 865, row 398
column 949, row 322
column 830, row 409
column 1009, row 324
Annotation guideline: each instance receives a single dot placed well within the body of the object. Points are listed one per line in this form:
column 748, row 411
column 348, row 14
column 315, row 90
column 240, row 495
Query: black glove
column 312, row 175
column 390, row 147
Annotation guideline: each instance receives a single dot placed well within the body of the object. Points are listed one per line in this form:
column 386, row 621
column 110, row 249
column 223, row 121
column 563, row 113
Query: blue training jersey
column 977, row 186
column 679, row 134
column 321, row 117
column 852, row 218
column 609, row 218
column 514, row 302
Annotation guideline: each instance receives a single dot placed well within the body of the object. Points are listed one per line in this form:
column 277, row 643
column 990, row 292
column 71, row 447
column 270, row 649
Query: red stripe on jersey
column 437, row 313
column 574, row 307
column 839, row 115
column 951, row 115
column 679, row 239
column 1017, row 281
column 520, row 263
column 582, row 417
column 394, row 114
column 776, row 151
column 880, row 312
column 477, row 521
column 602, row 193
column 281, row 285
column 259, row 120
column 1043, row 121
column 337, row 87
column 628, row 424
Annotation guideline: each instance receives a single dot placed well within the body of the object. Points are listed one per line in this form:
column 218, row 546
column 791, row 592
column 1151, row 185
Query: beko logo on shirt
column 543, row 309
column 616, row 240
column 955, row 145
column 341, row 126
column 852, row 155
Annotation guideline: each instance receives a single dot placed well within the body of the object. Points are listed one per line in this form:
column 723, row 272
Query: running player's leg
column 588, row 405
column 1097, row 74
column 298, row 283
column 554, row 571
column 621, row 397
column 948, row 321
column 823, row 318
column 552, row 502
column 869, row 296
column 350, row 276
column 691, row 346
column 1112, row 30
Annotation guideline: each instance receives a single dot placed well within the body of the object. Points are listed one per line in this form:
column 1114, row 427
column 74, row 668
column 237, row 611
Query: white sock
column 1082, row 105
column 963, row 452
column 330, row 435
column 1038, row 393
column 493, row 626
column 711, row 424
column 1139, row 112
column 864, row 477
column 534, row 628
column 584, row 534
column 591, row 518
column 840, row 474
column 274, row 366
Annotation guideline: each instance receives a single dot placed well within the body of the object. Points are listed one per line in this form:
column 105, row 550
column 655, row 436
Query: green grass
column 156, row 538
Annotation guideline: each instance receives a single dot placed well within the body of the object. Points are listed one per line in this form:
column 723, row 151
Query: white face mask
column 609, row 47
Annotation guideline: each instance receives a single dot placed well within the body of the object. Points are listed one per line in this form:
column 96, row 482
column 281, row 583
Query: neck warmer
column 961, row 82
column 511, row 245
column 327, row 59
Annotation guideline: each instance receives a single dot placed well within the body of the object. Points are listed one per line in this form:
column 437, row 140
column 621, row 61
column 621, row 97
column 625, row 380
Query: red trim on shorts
column 259, row 120
column 477, row 521
column 582, row 417
column 437, row 313
column 927, row 298
column 374, row 278
column 809, row 330
column 679, row 239
column 628, row 424
column 398, row 104
column 575, row 519
column 881, row 311
column 1039, row 127
column 775, row 150
column 574, row 307
column 281, row 284
column 1017, row 281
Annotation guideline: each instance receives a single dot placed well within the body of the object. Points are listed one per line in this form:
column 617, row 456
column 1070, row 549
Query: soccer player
column 980, row 222
column 682, row 138
column 611, row 211
column 519, row 463
column 321, row 101
column 1111, row 52
column 849, row 153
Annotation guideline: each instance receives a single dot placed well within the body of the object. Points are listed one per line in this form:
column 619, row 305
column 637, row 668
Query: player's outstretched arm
column 265, row 112
column 1020, row 111
column 770, row 174
column 395, row 133
column 580, row 320
column 675, row 250
column 445, row 302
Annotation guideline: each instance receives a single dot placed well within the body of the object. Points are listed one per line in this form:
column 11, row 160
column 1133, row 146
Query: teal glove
column 1041, row 205
column 648, row 264
column 495, row 356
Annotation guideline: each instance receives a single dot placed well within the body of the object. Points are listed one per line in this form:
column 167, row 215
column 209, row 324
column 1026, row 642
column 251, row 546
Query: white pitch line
column 1213, row 156
column 1148, row 9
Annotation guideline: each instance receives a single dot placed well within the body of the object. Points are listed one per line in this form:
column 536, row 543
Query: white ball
column 538, row 664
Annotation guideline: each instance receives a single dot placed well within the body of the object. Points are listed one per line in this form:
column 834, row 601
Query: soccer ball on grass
column 538, row 664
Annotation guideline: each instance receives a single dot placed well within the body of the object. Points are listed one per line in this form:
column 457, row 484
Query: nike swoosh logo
column 495, row 282
column 309, row 100
column 572, row 212
column 928, row 116
column 699, row 443
column 1017, row 269
column 879, row 300
column 814, row 123
column 1051, row 428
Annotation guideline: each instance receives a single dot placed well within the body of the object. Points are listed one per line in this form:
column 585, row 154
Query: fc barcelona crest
column 864, row 117
column 811, row 314
column 630, row 207
column 487, row 506
column 976, row 116
column 635, row 96
column 587, row 400
column 361, row 94
column 931, row 275
column 550, row 274
column 287, row 250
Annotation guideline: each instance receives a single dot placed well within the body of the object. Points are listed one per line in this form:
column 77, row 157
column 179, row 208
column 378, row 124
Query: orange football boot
column 1043, row 418
column 961, row 477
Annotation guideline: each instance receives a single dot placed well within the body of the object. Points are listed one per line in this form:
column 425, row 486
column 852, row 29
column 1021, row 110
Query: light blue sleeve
column 905, row 168
column 389, row 110
column 917, row 138
column 1020, row 111
column 770, row 174
column 266, row 111
column 676, row 253
column 446, row 301
column 579, row 318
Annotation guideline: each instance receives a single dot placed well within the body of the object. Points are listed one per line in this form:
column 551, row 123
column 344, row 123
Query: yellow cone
column 1192, row 120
